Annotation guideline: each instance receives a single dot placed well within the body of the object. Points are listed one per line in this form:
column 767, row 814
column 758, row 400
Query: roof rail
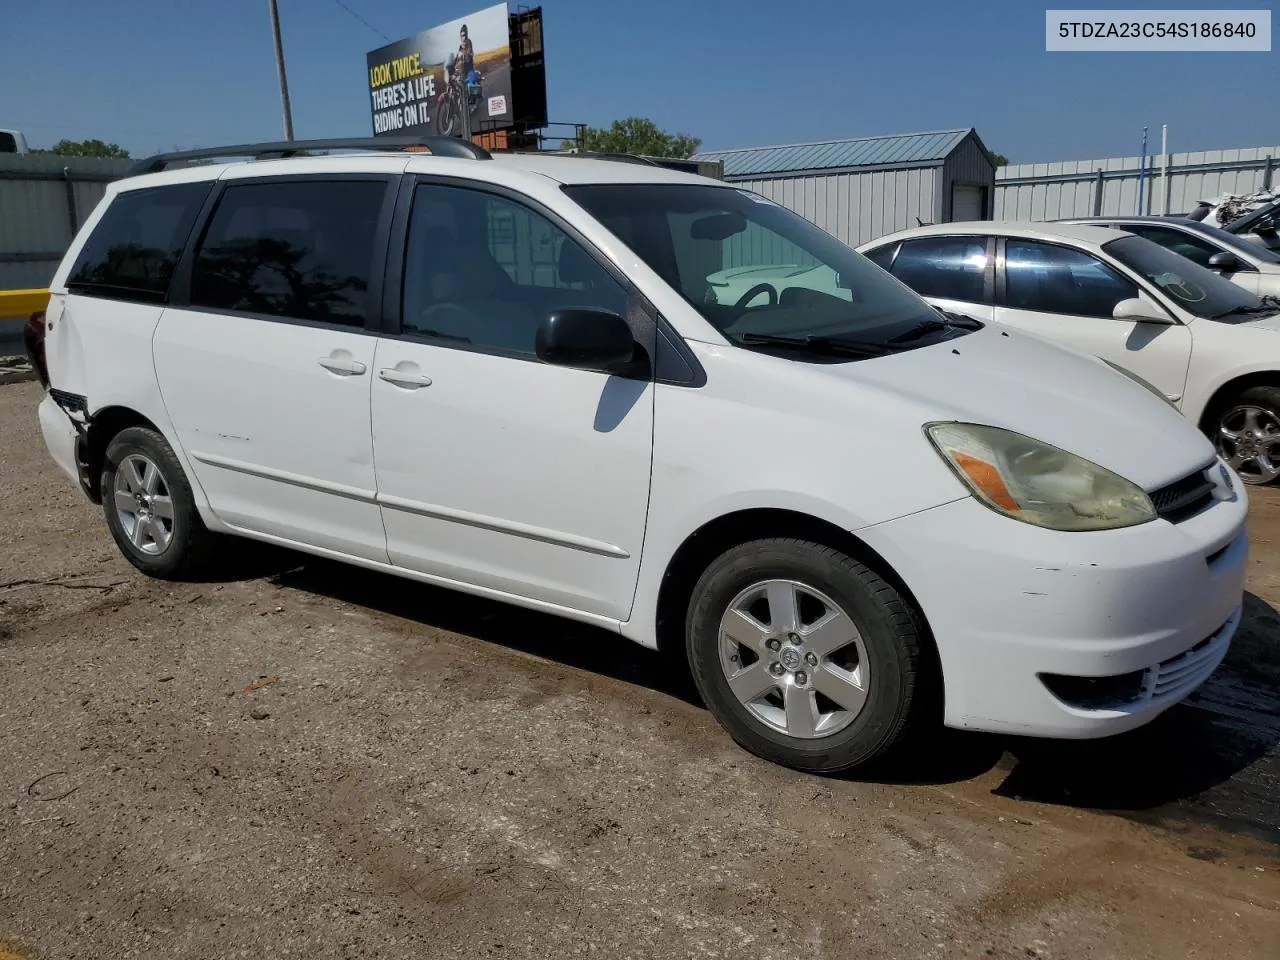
column 620, row 157
column 440, row 146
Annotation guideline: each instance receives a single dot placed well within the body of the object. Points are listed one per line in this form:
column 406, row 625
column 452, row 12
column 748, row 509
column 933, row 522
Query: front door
column 1067, row 296
column 265, row 369
column 494, row 469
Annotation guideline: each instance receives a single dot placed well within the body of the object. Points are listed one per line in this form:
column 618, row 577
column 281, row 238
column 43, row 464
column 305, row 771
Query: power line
column 363, row 20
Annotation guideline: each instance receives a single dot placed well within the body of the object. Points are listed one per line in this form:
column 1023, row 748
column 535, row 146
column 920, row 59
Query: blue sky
column 153, row 75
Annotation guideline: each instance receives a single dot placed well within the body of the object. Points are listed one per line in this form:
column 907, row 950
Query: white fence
column 1083, row 188
column 43, row 200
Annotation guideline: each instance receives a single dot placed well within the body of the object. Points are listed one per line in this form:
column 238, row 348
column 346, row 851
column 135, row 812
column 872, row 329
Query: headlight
column 1036, row 482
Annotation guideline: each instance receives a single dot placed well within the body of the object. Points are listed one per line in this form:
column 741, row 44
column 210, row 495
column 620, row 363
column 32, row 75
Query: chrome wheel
column 794, row 658
column 1249, row 439
column 143, row 504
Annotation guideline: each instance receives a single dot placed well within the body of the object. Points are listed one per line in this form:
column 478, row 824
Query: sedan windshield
column 763, row 276
column 1198, row 291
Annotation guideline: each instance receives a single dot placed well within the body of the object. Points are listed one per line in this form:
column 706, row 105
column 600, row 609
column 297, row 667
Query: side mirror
column 586, row 338
column 1226, row 262
column 1137, row 310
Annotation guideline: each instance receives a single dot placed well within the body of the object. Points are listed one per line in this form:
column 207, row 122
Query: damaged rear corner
column 75, row 407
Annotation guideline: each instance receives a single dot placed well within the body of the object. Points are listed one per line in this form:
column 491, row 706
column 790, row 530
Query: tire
column 873, row 680
column 170, row 547
column 1246, row 431
column 446, row 117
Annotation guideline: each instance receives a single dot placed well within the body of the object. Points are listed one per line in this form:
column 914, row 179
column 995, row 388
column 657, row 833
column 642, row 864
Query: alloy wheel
column 143, row 504
column 1249, row 440
column 794, row 658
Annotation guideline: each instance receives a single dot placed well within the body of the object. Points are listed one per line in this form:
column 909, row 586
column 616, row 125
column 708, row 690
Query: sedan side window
column 1050, row 279
column 1184, row 244
column 484, row 270
column 953, row 268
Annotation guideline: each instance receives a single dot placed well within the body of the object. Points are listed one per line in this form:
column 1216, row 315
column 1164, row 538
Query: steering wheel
column 759, row 288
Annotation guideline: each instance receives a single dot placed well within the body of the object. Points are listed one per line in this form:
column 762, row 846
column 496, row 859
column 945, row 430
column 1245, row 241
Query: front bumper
column 1008, row 602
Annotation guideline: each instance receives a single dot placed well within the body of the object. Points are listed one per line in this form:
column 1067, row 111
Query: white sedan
column 1210, row 347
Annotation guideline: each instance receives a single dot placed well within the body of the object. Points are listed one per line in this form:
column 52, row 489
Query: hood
column 1003, row 378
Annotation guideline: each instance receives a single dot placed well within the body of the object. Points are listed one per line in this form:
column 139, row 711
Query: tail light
column 33, row 335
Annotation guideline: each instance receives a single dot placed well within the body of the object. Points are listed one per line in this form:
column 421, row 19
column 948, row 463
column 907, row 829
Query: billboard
column 422, row 84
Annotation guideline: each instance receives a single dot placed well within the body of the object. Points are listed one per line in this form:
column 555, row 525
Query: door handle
column 403, row 378
column 343, row 365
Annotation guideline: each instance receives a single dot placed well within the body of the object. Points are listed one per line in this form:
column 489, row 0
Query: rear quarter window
column 132, row 252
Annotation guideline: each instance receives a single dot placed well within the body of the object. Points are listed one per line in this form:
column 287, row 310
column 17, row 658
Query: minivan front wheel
column 149, row 506
column 806, row 656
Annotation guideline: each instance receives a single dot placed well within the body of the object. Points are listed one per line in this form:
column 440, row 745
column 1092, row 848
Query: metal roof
column 834, row 154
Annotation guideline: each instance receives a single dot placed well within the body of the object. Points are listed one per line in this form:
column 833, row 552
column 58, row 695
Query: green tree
column 641, row 136
column 86, row 148
column 1000, row 159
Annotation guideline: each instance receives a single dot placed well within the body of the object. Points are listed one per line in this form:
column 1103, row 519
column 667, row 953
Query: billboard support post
column 466, row 111
column 284, row 83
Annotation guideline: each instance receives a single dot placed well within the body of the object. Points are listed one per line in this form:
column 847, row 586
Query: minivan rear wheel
column 149, row 506
column 806, row 656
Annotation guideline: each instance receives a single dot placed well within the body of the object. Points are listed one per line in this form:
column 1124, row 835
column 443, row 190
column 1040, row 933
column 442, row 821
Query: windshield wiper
column 950, row 321
column 852, row 348
column 1241, row 312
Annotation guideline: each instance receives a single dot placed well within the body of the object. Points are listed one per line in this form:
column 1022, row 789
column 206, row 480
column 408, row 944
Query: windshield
column 1198, row 291
column 758, row 272
column 1232, row 242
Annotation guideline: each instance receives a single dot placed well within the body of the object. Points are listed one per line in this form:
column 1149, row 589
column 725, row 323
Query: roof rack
column 620, row 157
column 439, row 146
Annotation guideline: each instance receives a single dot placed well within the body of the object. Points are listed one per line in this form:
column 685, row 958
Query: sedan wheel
column 1248, row 439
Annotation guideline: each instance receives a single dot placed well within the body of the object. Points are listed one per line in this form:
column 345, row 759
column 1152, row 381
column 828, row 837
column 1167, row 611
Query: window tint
column 950, row 267
column 1183, row 244
column 297, row 249
column 134, row 248
column 883, row 256
column 485, row 270
column 1052, row 279
column 8, row 142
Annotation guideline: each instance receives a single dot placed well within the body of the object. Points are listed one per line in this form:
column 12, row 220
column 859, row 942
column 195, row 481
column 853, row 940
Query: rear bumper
column 1009, row 603
column 60, row 437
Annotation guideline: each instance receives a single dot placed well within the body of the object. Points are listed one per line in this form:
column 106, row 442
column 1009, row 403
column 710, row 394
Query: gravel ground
column 307, row 760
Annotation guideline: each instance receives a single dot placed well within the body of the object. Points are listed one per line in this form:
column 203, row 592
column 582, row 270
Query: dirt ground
column 306, row 760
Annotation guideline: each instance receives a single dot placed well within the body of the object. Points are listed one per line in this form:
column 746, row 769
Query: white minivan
column 512, row 375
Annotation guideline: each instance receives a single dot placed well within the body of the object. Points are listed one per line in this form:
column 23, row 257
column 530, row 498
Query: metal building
column 861, row 189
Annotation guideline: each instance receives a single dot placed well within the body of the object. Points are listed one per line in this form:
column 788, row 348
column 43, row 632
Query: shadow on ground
column 1213, row 759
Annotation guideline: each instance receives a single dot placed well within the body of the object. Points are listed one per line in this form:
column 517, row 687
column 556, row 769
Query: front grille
column 1184, row 498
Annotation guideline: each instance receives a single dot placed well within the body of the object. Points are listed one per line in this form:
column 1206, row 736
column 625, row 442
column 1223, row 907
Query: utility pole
column 284, row 83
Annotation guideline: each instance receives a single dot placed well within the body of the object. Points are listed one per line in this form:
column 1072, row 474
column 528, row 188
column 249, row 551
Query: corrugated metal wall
column 967, row 164
column 856, row 207
column 40, row 196
column 1051, row 191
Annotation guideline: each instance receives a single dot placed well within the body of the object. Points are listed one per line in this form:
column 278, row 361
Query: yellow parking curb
column 22, row 303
